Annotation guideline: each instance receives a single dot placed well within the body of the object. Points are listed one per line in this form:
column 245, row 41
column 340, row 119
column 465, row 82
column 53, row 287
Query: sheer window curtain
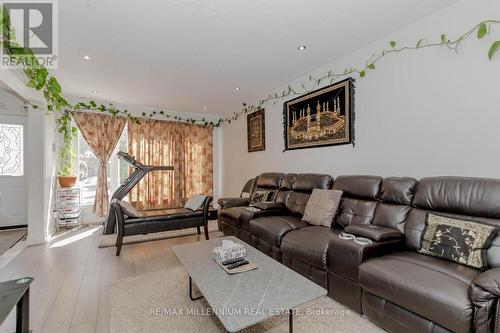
column 186, row 147
column 101, row 132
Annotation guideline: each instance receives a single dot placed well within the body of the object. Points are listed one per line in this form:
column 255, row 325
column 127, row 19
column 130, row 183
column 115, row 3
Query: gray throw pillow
column 128, row 209
column 322, row 207
column 195, row 202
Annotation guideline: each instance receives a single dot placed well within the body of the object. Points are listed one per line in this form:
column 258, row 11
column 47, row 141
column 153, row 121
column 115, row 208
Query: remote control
column 232, row 261
column 238, row 264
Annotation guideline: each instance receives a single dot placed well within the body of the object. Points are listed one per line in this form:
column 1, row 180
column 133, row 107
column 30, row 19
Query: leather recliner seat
column 388, row 281
column 372, row 207
column 306, row 249
column 233, row 208
column 268, row 231
column 407, row 289
column 265, row 208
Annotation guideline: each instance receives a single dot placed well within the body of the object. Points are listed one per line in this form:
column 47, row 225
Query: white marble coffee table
column 244, row 299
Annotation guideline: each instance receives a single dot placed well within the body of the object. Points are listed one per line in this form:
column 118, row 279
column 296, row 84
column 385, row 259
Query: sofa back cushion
column 286, row 187
column 266, row 182
column 359, row 199
column 473, row 199
column 361, row 187
column 396, row 194
column 398, row 190
column 304, row 184
column 269, row 180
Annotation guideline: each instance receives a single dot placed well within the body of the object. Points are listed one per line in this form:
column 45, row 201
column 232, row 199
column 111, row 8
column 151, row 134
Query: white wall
column 426, row 112
column 50, row 174
column 41, row 172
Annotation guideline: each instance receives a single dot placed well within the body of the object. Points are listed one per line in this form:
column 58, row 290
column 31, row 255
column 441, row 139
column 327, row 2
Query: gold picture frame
column 256, row 131
column 320, row 118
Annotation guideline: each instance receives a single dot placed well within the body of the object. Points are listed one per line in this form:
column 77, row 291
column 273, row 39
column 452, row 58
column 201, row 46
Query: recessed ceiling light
column 86, row 57
column 204, row 108
column 94, row 91
column 237, row 88
column 302, row 48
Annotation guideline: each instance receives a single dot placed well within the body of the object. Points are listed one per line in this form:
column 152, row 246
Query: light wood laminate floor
column 73, row 276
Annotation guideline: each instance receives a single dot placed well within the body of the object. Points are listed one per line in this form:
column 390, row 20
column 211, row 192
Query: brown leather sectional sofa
column 388, row 281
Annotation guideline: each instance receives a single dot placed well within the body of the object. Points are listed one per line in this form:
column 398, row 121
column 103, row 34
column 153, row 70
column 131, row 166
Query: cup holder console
column 362, row 241
column 357, row 240
column 346, row 236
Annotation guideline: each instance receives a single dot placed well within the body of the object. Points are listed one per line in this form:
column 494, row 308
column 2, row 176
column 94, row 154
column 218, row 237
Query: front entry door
column 13, row 189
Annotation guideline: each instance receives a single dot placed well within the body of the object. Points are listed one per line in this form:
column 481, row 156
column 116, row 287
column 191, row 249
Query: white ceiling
column 186, row 54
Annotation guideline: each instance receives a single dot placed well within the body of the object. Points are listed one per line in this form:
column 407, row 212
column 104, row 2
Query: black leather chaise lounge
column 166, row 220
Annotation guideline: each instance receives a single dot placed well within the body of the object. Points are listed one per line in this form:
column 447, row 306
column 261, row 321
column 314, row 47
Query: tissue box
column 228, row 250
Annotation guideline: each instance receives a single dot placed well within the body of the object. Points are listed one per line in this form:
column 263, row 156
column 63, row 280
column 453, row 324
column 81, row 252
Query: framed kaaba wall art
column 324, row 117
column 256, row 131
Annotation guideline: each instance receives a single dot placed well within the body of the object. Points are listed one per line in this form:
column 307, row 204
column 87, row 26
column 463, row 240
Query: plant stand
column 68, row 213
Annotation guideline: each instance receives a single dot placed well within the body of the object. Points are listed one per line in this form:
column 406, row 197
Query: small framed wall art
column 256, row 131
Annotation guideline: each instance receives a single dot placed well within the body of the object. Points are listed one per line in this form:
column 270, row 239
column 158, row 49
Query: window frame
column 4, row 119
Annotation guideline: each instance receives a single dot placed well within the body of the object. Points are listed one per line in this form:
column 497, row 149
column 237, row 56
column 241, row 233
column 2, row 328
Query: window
column 11, row 150
column 88, row 167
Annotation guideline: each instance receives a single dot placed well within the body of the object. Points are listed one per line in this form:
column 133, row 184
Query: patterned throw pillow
column 263, row 196
column 462, row 241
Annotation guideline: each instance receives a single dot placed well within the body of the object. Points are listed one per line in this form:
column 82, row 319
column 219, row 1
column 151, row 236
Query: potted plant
column 66, row 156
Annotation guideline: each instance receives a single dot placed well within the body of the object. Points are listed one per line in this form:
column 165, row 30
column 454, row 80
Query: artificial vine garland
column 39, row 79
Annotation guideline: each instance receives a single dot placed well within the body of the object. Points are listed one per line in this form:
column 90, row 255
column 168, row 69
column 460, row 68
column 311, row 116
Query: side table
column 16, row 293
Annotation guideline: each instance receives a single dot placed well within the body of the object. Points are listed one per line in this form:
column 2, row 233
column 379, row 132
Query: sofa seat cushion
column 309, row 245
column 240, row 217
column 271, row 229
column 430, row 287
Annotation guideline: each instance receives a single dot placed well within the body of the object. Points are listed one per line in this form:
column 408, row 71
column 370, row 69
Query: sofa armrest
column 117, row 212
column 233, row 202
column 206, row 209
column 374, row 232
column 345, row 256
column 269, row 206
column 489, row 281
column 484, row 293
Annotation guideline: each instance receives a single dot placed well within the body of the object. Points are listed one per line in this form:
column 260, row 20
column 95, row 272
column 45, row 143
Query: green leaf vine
column 39, row 78
column 481, row 29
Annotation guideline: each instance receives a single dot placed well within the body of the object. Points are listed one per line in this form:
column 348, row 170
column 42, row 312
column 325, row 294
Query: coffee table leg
column 290, row 322
column 23, row 313
column 191, row 291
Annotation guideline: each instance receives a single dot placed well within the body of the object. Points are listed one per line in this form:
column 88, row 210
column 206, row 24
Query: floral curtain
column 186, row 147
column 101, row 132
